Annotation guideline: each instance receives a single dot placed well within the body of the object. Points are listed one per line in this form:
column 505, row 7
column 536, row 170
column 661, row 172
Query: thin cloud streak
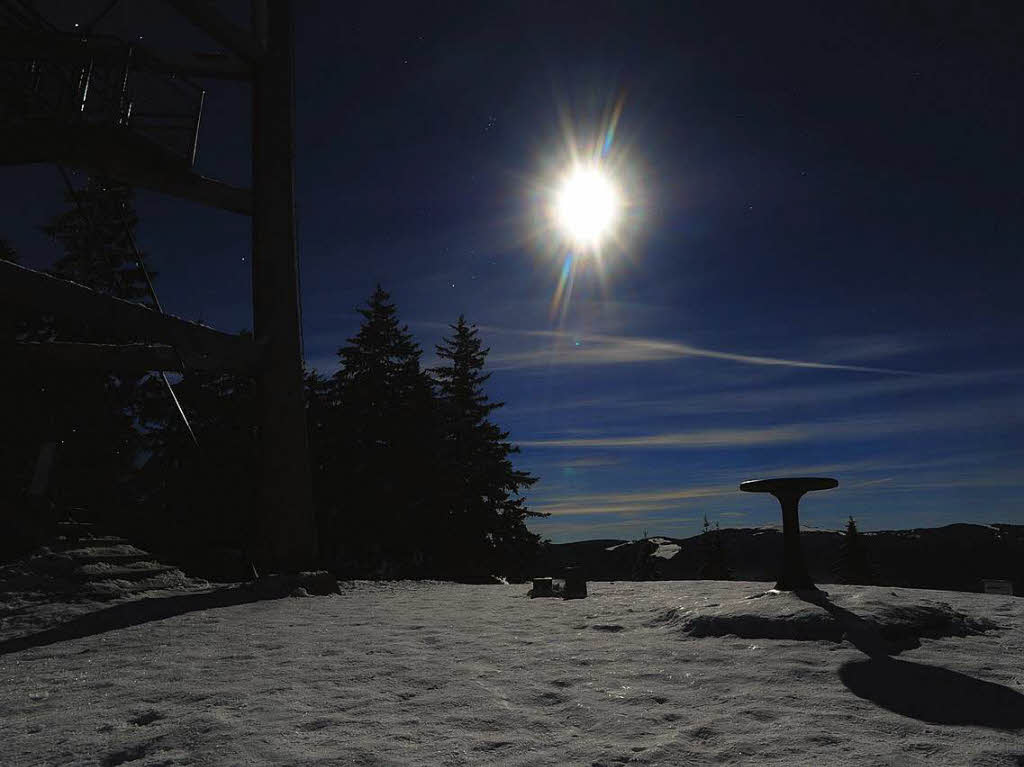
column 996, row 412
column 547, row 527
column 687, row 439
column 630, row 502
column 589, row 462
column 612, row 350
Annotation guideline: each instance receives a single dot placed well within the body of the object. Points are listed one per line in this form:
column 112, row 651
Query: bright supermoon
column 587, row 206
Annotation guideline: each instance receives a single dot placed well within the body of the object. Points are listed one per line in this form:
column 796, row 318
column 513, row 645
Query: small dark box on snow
column 575, row 584
column 542, row 587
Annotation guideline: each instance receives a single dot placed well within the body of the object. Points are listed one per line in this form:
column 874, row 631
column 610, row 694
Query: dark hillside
column 955, row 557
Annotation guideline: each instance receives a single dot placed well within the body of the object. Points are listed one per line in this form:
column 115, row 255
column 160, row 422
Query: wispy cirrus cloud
column 632, row 502
column 590, row 462
column 995, row 412
column 681, row 439
column 602, row 349
column 561, row 529
column 765, row 398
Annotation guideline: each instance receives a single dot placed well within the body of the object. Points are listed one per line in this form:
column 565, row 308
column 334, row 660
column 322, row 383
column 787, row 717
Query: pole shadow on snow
column 129, row 614
column 934, row 694
column 921, row 691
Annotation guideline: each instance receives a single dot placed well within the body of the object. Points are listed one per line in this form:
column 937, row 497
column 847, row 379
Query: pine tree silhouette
column 853, row 564
column 207, row 491
column 95, row 235
column 383, row 462
column 91, row 415
column 320, row 405
column 486, row 510
column 712, row 554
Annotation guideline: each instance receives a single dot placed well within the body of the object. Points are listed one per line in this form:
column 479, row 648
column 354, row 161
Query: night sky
column 817, row 272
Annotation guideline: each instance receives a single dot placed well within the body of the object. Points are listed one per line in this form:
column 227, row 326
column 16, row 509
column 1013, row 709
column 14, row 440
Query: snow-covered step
column 113, row 557
column 86, row 551
column 70, row 528
column 107, row 571
column 77, row 541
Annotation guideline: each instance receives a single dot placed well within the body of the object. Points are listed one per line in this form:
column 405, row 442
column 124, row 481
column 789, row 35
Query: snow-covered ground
column 442, row 674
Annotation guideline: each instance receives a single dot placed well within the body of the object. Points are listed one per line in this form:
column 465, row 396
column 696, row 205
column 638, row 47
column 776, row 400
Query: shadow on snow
column 129, row 614
column 928, row 693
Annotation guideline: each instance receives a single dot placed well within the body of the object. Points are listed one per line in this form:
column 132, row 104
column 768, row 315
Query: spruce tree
column 96, row 234
column 853, row 564
column 380, row 374
column 196, row 495
column 485, row 508
column 713, row 559
column 385, row 430
column 92, row 414
column 321, row 411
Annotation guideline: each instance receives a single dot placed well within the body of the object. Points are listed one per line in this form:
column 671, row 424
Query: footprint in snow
column 492, row 745
column 122, row 755
column 315, row 724
column 146, row 717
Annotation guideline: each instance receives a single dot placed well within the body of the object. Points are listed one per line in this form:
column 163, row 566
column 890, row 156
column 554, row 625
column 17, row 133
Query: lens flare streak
column 560, row 301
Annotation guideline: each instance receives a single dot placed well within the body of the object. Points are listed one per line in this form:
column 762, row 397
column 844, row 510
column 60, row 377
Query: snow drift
column 891, row 615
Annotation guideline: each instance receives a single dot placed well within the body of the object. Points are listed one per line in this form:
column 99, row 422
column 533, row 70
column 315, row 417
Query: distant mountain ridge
column 954, row 557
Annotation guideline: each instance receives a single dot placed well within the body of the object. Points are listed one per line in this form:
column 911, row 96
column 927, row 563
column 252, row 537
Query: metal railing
column 96, row 80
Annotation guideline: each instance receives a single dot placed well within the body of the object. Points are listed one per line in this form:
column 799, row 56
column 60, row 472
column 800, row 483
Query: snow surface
column 666, row 550
column 440, row 674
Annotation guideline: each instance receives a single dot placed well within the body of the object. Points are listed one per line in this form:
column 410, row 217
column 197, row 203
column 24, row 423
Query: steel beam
column 201, row 347
column 115, row 358
column 207, row 18
column 116, row 153
column 289, row 533
column 218, row 66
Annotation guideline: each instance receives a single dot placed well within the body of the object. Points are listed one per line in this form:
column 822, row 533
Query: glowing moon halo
column 586, row 206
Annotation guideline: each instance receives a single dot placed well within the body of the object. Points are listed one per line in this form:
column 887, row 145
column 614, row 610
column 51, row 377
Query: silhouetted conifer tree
column 91, row 415
column 482, row 488
column 385, row 429
column 196, row 495
column 714, row 563
column 95, row 234
column 324, row 445
column 854, row 564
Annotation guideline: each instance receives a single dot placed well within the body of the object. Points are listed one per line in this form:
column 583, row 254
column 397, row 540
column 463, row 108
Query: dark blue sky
column 818, row 272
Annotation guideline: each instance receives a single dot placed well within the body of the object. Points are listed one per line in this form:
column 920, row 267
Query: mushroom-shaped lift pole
column 788, row 491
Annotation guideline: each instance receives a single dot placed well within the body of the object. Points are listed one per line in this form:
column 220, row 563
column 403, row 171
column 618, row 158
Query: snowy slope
column 441, row 674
